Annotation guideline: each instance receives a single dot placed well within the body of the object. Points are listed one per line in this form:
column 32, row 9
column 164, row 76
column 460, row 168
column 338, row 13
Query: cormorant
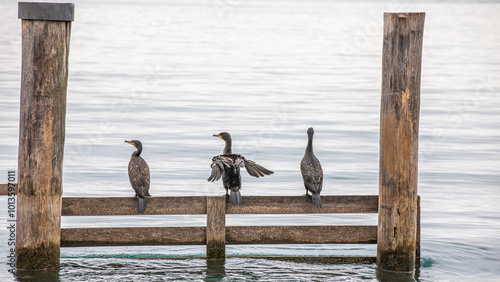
column 228, row 166
column 138, row 173
column 312, row 173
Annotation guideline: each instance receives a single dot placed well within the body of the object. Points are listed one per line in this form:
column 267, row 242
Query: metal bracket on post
column 46, row 11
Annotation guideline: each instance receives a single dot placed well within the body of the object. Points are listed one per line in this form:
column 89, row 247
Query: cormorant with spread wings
column 228, row 167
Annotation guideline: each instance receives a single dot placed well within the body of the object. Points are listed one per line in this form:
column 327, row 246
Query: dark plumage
column 312, row 173
column 138, row 174
column 228, row 166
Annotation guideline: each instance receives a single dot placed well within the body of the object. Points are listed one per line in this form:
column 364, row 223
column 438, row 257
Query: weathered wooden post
column 216, row 227
column 46, row 33
column 399, row 122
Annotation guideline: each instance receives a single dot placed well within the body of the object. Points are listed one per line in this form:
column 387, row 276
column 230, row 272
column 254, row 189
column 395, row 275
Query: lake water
column 172, row 73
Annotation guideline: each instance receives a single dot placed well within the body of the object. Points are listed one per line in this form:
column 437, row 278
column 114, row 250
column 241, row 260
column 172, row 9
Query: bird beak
column 130, row 142
column 217, row 135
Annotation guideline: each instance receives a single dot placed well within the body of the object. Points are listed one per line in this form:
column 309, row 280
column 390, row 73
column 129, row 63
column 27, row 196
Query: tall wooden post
column 216, row 227
column 399, row 122
column 45, row 47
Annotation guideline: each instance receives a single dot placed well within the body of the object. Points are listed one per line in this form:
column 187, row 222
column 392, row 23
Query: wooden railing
column 41, row 181
column 216, row 234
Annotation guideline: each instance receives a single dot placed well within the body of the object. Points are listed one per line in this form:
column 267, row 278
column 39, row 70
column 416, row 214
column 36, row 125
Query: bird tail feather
column 235, row 198
column 316, row 198
column 141, row 205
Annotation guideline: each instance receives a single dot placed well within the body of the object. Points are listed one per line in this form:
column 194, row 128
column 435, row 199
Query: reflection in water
column 216, row 270
column 391, row 276
column 51, row 275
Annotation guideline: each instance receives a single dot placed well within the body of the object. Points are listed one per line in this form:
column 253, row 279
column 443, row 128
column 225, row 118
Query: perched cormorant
column 228, row 166
column 312, row 173
column 138, row 173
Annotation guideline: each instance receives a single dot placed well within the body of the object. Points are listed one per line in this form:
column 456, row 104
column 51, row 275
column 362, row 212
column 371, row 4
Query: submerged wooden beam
column 334, row 234
column 198, row 205
column 322, row 259
column 132, row 236
column 128, row 206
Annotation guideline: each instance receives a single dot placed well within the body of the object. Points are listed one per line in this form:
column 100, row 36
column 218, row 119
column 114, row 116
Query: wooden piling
column 45, row 45
column 216, row 227
column 399, row 124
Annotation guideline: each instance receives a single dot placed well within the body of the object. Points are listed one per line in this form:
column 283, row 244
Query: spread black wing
column 256, row 170
column 219, row 164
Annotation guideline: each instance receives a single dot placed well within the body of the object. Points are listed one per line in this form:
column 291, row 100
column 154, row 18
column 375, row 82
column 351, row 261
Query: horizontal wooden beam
column 252, row 204
column 350, row 234
column 4, row 189
column 304, row 205
column 136, row 236
column 198, row 205
column 132, row 236
column 128, row 206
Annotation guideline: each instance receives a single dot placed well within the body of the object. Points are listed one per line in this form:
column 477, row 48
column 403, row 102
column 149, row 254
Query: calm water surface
column 172, row 73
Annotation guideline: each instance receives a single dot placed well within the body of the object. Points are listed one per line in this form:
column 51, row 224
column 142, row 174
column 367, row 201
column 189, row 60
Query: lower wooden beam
column 135, row 236
column 355, row 234
column 132, row 236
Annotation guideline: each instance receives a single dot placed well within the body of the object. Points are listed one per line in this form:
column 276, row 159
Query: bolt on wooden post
column 399, row 125
column 46, row 29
